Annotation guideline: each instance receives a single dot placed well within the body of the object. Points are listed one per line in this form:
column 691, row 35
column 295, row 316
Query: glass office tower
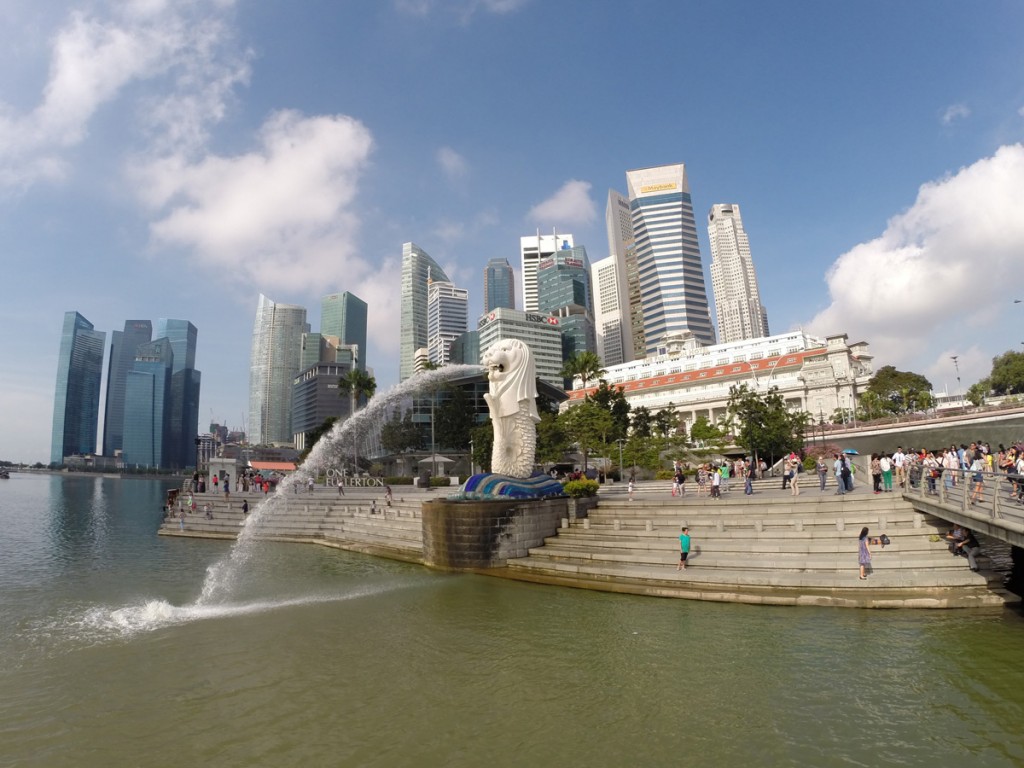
column 344, row 315
column 76, row 399
column 183, row 413
column 148, row 406
column 418, row 269
column 123, row 346
column 274, row 364
column 499, row 285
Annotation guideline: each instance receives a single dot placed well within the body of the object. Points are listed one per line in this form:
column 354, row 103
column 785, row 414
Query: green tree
column 704, row 432
column 400, row 433
column 1007, row 377
column 766, row 427
column 641, row 423
column 588, row 425
column 978, row 391
column 454, row 419
column 614, row 401
column 552, row 441
column 357, row 384
column 666, row 423
column 314, row 435
column 483, row 444
column 584, row 365
column 898, row 389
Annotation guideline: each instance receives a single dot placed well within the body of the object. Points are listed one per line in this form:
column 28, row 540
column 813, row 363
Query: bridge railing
column 998, row 494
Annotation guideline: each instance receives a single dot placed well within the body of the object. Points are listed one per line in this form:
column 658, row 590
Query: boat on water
column 4, row 474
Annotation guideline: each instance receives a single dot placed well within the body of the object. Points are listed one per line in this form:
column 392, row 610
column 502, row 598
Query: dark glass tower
column 183, row 412
column 147, row 406
column 123, row 346
column 76, row 400
column 344, row 315
column 499, row 285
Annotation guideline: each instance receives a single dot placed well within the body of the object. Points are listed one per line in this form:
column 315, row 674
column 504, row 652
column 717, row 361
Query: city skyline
column 177, row 160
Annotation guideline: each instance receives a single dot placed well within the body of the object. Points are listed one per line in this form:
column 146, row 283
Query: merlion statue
column 512, row 400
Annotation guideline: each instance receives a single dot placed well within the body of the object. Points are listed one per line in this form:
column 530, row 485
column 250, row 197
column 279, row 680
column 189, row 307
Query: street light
column 620, row 441
column 959, row 393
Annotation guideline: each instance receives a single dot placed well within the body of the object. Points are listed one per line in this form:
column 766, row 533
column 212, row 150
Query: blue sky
column 175, row 159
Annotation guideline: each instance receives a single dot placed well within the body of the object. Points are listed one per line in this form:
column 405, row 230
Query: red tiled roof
column 278, row 466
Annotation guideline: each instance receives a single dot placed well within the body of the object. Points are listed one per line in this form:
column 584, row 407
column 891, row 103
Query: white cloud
column 955, row 112
column 943, row 274
column 283, row 209
column 464, row 9
column 569, row 206
column 452, row 164
column 181, row 49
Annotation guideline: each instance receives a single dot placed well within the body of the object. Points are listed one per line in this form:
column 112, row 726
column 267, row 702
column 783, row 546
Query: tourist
column 848, row 471
column 898, row 461
column 723, row 471
column 245, row 506
column 969, row 548
column 955, row 536
column 716, row 483
column 387, row 495
column 794, row 478
column 215, row 481
column 837, row 468
column 684, row 548
column 932, row 471
column 309, row 484
column 181, row 520
column 630, row 488
column 762, row 467
column 864, row 554
column 876, row 473
column 702, row 480
column 207, row 512
column 749, row 471
column 822, row 469
column 227, row 487
column 675, row 483
column 886, row 465
column 341, row 486
column 978, row 478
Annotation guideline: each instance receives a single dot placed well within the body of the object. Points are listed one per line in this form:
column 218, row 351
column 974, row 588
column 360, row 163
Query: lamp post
column 959, row 393
column 620, row 441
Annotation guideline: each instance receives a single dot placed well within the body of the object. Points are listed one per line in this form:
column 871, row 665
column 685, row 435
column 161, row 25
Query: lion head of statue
column 513, row 377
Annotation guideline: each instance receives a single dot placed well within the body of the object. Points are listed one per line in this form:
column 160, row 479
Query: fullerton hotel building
column 812, row 374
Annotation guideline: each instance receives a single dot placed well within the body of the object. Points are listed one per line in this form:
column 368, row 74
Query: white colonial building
column 812, row 374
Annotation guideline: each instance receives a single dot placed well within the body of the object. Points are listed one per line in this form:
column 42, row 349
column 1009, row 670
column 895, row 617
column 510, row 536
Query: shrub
column 579, row 489
column 397, row 481
column 664, row 474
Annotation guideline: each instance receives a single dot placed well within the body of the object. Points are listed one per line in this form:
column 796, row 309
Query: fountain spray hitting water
column 330, row 451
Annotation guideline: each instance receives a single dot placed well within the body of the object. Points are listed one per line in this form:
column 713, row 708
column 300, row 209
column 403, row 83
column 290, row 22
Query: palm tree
column 584, row 365
column 356, row 383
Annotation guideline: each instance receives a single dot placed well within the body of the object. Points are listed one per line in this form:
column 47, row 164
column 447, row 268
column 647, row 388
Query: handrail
column 1000, row 494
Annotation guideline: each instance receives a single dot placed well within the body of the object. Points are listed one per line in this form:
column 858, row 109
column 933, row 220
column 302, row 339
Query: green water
column 326, row 658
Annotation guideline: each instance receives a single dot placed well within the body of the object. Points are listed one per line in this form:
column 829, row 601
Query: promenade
column 769, row 548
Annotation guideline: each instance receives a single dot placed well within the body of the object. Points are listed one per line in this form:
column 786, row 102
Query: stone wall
column 485, row 534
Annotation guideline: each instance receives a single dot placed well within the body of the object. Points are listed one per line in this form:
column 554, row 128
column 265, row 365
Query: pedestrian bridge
column 992, row 507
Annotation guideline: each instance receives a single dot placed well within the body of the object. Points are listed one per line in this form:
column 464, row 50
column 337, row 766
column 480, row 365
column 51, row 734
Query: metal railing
column 997, row 495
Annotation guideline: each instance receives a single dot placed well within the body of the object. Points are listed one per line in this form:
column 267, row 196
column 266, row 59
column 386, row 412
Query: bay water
column 318, row 657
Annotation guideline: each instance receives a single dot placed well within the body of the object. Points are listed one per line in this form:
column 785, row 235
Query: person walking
column 876, row 473
column 822, row 468
column 886, row 465
column 794, row 480
column 245, row 506
column 749, row 471
column 684, row 548
column 227, row 488
column 864, row 554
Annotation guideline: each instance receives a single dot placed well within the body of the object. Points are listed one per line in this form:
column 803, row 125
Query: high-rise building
column 533, row 250
column 738, row 307
column 76, row 399
column 447, row 319
column 563, row 290
column 465, row 350
column 499, row 285
column 673, row 293
column 344, row 315
column 123, row 346
column 148, row 406
column 418, row 269
column 614, row 315
column 541, row 333
column 183, row 410
column 274, row 364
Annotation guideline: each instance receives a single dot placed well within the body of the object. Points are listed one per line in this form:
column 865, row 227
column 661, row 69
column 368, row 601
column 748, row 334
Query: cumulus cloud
column 283, row 208
column 569, row 206
column 943, row 274
column 452, row 164
column 955, row 112
column 95, row 56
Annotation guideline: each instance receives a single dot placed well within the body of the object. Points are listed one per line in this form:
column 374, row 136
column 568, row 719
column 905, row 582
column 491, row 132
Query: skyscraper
column 183, row 404
column 148, row 407
column 608, row 315
column 614, row 313
column 123, row 346
column 76, row 399
column 738, row 307
column 563, row 290
column 673, row 294
column 417, row 269
column 274, row 364
column 447, row 319
column 533, row 250
column 344, row 315
column 541, row 333
column 499, row 285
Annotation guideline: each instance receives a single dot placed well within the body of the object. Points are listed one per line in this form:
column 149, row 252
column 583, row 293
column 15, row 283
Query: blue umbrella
column 851, row 451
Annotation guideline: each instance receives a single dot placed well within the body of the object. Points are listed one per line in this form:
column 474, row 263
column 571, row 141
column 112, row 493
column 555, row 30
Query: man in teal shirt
column 684, row 548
